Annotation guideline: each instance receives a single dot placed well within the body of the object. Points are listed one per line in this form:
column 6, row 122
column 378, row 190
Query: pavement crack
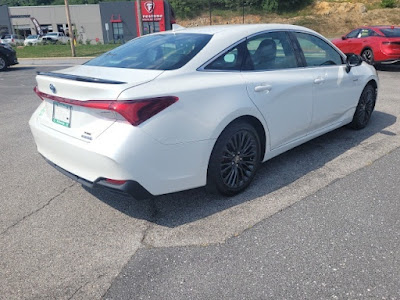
column 151, row 220
column 78, row 289
column 37, row 210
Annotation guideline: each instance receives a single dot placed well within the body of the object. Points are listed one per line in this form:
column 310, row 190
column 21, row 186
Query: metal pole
column 71, row 31
column 154, row 23
column 243, row 9
column 139, row 16
column 209, row 7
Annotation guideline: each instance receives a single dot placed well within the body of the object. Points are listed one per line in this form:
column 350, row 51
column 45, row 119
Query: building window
column 150, row 27
column 46, row 28
column 118, row 32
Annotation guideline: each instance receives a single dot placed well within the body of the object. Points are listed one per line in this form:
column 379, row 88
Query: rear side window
column 230, row 60
column 389, row 32
column 154, row 52
column 317, row 52
column 270, row 51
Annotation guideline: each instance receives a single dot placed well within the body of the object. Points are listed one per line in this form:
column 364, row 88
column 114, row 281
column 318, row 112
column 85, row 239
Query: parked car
column 376, row 44
column 12, row 39
column 32, row 40
column 55, row 37
column 8, row 56
column 200, row 106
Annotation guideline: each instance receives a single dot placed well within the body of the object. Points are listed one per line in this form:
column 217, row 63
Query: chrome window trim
column 329, row 43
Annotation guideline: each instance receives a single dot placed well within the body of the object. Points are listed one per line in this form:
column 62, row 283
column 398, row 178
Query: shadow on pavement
column 18, row 68
column 389, row 68
column 185, row 207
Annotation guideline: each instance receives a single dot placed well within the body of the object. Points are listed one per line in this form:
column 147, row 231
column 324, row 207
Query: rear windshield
column 6, row 36
column 154, row 52
column 389, row 32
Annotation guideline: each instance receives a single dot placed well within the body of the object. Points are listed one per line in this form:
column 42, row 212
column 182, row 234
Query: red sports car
column 376, row 44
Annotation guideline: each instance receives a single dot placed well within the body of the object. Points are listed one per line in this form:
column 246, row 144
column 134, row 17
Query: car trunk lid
column 60, row 90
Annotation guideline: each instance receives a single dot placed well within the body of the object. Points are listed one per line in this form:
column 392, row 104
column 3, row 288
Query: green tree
column 284, row 5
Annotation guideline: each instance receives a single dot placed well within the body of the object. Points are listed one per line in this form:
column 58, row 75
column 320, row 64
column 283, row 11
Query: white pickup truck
column 55, row 37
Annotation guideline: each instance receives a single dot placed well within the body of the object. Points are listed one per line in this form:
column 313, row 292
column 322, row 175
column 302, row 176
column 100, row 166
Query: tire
column 364, row 109
column 368, row 56
column 234, row 160
column 3, row 63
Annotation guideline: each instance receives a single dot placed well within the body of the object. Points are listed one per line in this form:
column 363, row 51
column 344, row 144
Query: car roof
column 240, row 29
column 384, row 26
column 224, row 36
column 377, row 27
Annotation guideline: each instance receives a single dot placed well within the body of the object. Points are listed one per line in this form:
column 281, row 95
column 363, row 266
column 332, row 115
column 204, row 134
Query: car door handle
column 263, row 88
column 319, row 80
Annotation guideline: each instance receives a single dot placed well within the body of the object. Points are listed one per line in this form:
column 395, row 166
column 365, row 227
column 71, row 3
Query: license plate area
column 62, row 114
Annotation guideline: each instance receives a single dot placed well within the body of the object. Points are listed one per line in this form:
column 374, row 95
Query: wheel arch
column 373, row 83
column 366, row 48
column 258, row 126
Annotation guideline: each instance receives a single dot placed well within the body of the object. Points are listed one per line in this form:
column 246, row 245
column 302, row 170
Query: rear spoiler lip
column 80, row 78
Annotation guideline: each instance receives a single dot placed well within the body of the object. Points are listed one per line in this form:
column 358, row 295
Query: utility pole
column 70, row 29
column 209, row 7
column 139, row 16
column 243, row 9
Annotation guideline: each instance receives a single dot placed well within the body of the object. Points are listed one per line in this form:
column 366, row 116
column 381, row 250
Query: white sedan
column 197, row 107
column 32, row 40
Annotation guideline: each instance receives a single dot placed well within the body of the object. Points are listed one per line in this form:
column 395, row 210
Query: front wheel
column 368, row 56
column 3, row 63
column 234, row 160
column 364, row 108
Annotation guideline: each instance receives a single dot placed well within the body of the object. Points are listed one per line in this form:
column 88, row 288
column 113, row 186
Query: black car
column 8, row 56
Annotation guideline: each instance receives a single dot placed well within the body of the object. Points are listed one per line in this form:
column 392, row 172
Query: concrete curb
column 53, row 61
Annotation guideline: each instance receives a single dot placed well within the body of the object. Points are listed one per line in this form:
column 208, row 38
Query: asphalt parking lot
column 59, row 240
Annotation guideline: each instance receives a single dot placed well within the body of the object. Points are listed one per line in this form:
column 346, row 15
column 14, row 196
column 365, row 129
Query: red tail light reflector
column 36, row 90
column 134, row 111
column 116, row 182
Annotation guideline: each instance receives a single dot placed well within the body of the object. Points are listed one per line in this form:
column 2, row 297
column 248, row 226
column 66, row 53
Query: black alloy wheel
column 235, row 159
column 3, row 63
column 364, row 109
column 368, row 56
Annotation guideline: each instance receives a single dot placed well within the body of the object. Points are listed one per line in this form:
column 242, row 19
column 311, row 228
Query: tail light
column 134, row 111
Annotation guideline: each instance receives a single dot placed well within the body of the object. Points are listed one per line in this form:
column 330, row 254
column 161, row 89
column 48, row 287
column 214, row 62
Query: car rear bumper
column 14, row 61
column 11, row 58
column 124, row 152
column 130, row 187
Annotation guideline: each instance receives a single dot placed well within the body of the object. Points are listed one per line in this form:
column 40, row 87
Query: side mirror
column 344, row 37
column 353, row 60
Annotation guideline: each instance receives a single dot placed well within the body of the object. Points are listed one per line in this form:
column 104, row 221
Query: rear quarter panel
column 208, row 102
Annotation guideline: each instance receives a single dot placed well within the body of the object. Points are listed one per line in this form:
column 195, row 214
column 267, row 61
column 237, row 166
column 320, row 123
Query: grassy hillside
column 330, row 17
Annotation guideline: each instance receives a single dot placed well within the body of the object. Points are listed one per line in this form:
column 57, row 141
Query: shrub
column 284, row 5
column 388, row 3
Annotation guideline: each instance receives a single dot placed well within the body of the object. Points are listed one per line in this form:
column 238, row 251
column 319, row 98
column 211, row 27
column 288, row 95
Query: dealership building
column 106, row 22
